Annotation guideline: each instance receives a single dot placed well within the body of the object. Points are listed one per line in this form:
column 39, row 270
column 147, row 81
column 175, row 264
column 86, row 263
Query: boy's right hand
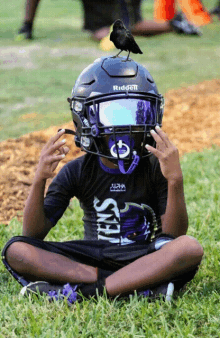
column 167, row 154
column 52, row 153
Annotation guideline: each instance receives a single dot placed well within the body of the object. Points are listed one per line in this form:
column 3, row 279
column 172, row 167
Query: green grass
column 194, row 313
column 37, row 76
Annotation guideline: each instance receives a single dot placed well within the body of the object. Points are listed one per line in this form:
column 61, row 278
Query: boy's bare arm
column 35, row 223
column 175, row 219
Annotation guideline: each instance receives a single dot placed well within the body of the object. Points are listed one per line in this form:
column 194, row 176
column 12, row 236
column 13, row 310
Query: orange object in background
column 164, row 10
column 194, row 11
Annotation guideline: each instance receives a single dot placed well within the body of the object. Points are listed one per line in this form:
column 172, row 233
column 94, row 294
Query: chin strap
column 132, row 166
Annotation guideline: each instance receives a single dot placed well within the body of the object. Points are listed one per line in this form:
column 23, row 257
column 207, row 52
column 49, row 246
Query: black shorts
column 107, row 257
column 99, row 13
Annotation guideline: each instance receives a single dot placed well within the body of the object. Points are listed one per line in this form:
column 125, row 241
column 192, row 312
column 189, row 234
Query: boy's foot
column 164, row 291
column 25, row 32
column 54, row 292
column 68, row 291
column 181, row 26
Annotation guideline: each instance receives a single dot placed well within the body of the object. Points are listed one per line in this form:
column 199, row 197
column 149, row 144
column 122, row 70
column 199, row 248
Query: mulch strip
column 191, row 119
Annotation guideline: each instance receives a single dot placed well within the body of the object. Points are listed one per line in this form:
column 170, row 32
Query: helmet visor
column 123, row 112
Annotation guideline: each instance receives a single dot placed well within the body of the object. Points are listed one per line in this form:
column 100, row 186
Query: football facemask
column 120, row 128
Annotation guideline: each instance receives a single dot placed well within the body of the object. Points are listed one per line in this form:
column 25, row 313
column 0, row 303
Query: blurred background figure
column 216, row 10
column 193, row 10
column 25, row 32
column 99, row 15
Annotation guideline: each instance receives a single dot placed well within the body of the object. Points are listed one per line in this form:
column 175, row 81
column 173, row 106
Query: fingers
column 56, row 158
column 160, row 136
column 53, row 145
column 162, row 142
column 153, row 150
column 56, row 137
column 57, row 146
column 66, row 150
column 63, row 150
column 62, row 153
column 54, row 151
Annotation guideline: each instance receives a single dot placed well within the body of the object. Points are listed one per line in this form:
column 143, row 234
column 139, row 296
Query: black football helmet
column 115, row 103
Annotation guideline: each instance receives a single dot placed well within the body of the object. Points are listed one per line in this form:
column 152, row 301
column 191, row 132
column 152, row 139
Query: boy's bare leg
column 143, row 28
column 150, row 27
column 30, row 10
column 37, row 264
column 176, row 257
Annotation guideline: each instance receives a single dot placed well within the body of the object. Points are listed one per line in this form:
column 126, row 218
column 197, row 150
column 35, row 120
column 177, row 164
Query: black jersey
column 118, row 208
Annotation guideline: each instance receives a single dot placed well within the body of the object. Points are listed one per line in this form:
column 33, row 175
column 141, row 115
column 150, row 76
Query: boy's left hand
column 167, row 154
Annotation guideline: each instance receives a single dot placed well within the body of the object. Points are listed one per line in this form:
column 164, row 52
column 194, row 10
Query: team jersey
column 118, row 208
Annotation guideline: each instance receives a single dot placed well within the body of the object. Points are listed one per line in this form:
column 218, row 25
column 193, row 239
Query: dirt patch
column 18, row 160
column 192, row 121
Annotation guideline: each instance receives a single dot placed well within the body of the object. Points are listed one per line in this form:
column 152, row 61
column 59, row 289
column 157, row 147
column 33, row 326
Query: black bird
column 123, row 39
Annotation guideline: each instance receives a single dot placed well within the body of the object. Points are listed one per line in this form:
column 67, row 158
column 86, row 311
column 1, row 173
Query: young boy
column 130, row 187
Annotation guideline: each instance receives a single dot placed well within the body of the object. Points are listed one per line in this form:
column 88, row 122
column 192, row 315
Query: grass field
column 194, row 314
column 36, row 77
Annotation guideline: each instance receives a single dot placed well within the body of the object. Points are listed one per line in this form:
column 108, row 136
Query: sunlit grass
column 37, row 76
column 193, row 314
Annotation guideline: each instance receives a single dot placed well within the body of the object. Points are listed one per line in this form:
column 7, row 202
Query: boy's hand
column 167, row 154
column 52, row 153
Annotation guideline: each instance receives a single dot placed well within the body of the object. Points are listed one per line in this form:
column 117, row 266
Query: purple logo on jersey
column 137, row 222
column 123, row 226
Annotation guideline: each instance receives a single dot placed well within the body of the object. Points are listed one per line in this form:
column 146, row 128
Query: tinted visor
column 123, row 112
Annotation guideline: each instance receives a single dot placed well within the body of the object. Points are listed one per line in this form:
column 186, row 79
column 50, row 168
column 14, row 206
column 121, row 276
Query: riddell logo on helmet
column 128, row 87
